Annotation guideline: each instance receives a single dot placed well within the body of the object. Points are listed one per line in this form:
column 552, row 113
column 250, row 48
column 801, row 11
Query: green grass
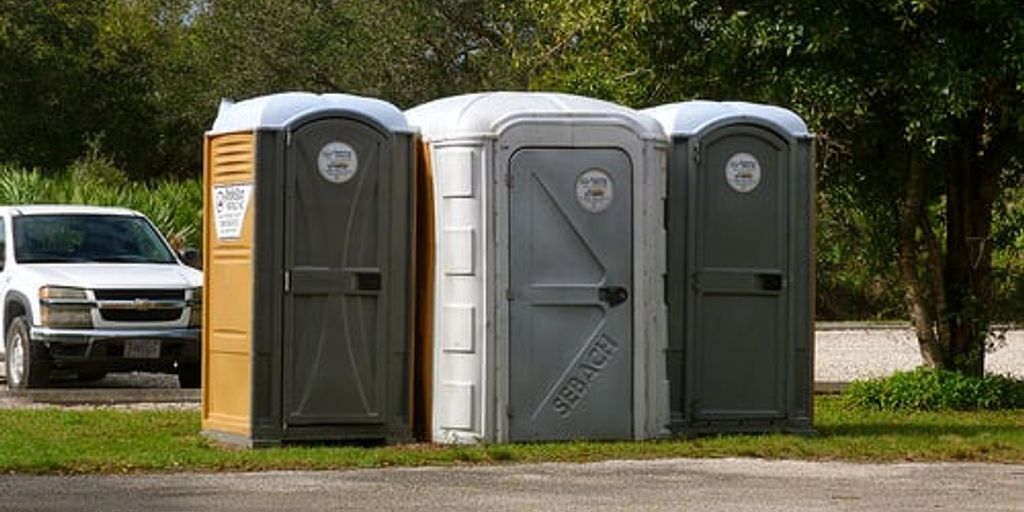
column 114, row 441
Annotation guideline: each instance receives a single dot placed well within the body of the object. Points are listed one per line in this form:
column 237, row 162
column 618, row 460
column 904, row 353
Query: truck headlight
column 195, row 307
column 65, row 307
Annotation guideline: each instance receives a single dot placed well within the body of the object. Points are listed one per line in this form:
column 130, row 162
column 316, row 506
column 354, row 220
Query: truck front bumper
column 107, row 347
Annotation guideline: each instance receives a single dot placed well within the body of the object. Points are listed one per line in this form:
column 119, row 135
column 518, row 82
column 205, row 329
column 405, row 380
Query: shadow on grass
column 919, row 430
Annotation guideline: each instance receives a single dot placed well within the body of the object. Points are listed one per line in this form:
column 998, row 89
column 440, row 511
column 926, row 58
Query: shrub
column 176, row 207
column 926, row 389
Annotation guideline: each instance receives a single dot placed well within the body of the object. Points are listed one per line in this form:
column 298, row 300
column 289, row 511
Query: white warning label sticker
column 337, row 162
column 743, row 172
column 594, row 190
column 230, row 202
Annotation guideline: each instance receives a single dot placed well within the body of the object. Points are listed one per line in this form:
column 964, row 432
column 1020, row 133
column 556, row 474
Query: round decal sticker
column 743, row 172
column 594, row 190
column 337, row 162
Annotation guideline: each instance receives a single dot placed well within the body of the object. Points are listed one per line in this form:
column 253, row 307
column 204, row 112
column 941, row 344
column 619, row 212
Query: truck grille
column 140, row 305
column 133, row 315
column 139, row 294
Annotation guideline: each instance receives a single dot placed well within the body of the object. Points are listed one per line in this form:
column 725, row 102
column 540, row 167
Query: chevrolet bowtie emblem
column 143, row 304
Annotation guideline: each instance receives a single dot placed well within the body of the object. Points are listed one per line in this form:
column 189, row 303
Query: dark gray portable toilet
column 740, row 267
column 307, row 246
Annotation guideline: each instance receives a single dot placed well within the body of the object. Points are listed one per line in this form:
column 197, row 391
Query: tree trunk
column 948, row 287
column 923, row 294
column 971, row 192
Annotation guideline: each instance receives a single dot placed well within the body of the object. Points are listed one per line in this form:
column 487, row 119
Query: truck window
column 81, row 238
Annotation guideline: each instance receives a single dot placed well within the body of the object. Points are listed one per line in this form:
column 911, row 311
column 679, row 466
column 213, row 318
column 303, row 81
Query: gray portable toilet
column 548, row 301
column 740, row 267
column 307, row 256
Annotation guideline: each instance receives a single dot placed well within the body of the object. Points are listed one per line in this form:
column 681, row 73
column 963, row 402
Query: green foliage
column 857, row 281
column 405, row 51
column 1008, row 253
column 593, row 48
column 175, row 206
column 926, row 389
column 853, row 282
column 145, row 76
column 892, row 89
column 75, row 72
column 132, row 85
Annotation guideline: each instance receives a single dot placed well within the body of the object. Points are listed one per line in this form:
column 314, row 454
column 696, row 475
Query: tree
column 919, row 106
column 405, row 51
column 41, row 69
column 83, row 72
column 142, row 79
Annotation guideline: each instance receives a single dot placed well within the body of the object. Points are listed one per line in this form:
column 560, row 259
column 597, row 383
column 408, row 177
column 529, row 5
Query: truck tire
column 189, row 375
column 28, row 364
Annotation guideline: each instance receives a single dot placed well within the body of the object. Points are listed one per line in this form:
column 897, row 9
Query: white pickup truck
column 91, row 290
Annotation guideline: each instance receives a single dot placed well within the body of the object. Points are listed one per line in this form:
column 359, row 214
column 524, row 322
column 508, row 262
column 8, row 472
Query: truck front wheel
column 189, row 375
column 28, row 364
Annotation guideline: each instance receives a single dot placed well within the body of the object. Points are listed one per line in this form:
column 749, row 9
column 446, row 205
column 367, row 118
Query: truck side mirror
column 190, row 257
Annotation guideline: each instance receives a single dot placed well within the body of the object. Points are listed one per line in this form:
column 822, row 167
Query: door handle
column 612, row 295
column 368, row 281
column 771, row 282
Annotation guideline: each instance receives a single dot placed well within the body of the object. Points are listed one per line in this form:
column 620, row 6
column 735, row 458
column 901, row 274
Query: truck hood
column 114, row 275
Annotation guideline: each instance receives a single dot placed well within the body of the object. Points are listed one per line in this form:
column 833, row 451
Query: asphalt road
column 728, row 485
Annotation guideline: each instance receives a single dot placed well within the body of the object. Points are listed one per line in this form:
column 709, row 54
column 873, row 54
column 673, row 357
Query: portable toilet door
column 549, row 314
column 308, row 242
column 740, row 269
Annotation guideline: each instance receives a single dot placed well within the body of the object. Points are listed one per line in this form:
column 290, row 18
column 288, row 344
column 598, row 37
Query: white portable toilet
column 549, row 320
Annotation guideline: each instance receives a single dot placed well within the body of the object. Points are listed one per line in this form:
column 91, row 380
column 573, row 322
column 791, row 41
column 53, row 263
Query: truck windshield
column 66, row 238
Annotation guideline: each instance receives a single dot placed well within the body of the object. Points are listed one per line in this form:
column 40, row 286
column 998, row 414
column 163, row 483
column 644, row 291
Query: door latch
column 368, row 281
column 771, row 282
column 612, row 295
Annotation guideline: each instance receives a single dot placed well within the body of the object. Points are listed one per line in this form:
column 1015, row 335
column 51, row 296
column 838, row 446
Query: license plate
column 142, row 349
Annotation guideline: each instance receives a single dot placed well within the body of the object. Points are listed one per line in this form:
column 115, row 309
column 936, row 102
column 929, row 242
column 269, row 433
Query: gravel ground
column 115, row 391
column 113, row 380
column 846, row 354
column 11, row 403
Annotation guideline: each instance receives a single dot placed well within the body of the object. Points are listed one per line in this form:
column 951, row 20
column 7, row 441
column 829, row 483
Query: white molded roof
column 65, row 209
column 691, row 117
column 485, row 114
column 278, row 110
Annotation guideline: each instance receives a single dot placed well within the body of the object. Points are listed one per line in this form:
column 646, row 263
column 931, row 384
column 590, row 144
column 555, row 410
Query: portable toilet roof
column 280, row 110
column 693, row 117
column 488, row 113
column 477, row 146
